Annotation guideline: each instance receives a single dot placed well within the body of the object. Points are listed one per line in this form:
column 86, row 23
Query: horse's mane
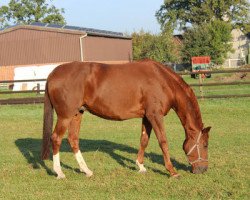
column 189, row 92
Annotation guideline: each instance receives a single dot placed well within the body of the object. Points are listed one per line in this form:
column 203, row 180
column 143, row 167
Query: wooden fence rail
column 20, row 81
column 215, row 72
column 22, row 91
column 219, row 84
column 15, row 101
column 36, row 100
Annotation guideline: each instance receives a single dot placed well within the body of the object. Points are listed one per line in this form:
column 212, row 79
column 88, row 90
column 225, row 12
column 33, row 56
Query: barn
column 43, row 45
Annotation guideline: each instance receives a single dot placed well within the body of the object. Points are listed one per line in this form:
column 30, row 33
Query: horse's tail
column 47, row 124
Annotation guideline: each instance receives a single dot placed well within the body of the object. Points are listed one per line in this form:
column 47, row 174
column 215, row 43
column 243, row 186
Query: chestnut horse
column 144, row 89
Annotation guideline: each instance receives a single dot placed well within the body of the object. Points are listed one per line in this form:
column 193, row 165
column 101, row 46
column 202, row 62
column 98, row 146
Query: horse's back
column 109, row 91
column 118, row 91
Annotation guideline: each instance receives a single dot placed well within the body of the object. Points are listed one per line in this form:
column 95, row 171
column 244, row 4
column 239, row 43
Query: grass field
column 110, row 150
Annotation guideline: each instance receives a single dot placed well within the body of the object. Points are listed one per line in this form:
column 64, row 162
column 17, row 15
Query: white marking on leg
column 143, row 132
column 82, row 164
column 141, row 167
column 57, row 166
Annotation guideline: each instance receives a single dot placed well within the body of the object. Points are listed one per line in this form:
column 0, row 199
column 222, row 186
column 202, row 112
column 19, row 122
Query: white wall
column 31, row 73
column 240, row 46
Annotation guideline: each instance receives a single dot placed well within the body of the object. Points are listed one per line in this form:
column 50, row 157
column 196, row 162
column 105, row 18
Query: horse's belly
column 116, row 97
column 118, row 110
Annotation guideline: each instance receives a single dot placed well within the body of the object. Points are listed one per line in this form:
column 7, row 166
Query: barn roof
column 65, row 29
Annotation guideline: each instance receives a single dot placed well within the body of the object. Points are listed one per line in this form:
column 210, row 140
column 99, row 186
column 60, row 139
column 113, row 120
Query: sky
column 114, row 15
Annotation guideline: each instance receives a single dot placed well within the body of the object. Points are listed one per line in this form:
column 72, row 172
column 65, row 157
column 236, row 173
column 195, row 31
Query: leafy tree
column 210, row 39
column 159, row 47
column 28, row 11
column 180, row 13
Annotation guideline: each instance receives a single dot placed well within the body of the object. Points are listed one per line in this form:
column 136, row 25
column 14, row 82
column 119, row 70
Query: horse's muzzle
column 199, row 169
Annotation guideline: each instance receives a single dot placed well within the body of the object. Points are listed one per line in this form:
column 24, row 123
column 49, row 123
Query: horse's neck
column 186, row 105
column 189, row 114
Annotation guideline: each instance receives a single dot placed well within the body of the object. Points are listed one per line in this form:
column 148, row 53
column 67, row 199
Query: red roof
column 201, row 60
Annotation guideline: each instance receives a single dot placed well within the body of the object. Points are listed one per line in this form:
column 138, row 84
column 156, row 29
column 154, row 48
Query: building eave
column 60, row 30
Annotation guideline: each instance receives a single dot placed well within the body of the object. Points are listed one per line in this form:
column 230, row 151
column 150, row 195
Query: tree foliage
column 159, row 47
column 28, row 11
column 210, row 39
column 180, row 13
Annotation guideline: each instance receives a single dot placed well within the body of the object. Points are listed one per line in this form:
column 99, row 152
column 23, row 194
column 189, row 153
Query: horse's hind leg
column 73, row 139
column 61, row 127
column 157, row 123
column 145, row 135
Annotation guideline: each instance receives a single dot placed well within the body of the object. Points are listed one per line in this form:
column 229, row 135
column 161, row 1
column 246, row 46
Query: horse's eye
column 205, row 145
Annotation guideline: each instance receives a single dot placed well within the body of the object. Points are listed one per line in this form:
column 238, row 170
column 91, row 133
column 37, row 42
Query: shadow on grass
column 30, row 149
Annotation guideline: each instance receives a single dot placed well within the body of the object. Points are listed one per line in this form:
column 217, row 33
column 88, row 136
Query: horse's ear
column 206, row 130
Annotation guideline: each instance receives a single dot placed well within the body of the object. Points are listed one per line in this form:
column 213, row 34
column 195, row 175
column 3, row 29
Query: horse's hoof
column 61, row 176
column 141, row 166
column 177, row 176
column 89, row 174
column 142, row 171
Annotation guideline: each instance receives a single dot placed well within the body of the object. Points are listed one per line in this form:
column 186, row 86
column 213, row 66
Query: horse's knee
column 56, row 143
column 162, row 142
column 144, row 141
column 55, row 139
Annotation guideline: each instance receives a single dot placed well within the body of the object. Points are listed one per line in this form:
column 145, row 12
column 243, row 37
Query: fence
column 26, row 100
column 201, row 85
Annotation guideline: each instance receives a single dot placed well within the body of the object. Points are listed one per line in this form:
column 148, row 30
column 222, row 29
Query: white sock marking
column 141, row 167
column 82, row 164
column 57, row 166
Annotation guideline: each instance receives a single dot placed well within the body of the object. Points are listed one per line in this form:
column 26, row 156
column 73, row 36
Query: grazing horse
column 144, row 89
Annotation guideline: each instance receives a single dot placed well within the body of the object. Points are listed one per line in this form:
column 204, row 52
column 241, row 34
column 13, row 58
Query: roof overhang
column 62, row 30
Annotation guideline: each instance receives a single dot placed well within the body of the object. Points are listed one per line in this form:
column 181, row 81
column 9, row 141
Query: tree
column 28, row 11
column 180, row 13
column 210, row 39
column 159, row 47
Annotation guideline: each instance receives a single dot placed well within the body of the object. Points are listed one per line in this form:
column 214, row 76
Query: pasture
column 110, row 150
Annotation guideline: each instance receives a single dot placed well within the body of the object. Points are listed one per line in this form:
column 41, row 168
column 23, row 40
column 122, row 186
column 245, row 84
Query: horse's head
column 197, row 151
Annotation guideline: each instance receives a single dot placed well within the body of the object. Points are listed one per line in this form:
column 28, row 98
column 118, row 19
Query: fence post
column 38, row 88
column 201, row 89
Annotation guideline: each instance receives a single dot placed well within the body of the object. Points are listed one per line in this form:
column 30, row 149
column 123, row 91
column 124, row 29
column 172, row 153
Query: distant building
column 240, row 45
column 42, row 44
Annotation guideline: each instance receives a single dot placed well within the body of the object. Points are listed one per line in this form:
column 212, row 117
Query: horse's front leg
column 145, row 135
column 157, row 123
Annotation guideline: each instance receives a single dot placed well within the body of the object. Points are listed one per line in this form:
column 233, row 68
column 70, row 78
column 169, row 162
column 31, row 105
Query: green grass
column 110, row 150
column 20, row 95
